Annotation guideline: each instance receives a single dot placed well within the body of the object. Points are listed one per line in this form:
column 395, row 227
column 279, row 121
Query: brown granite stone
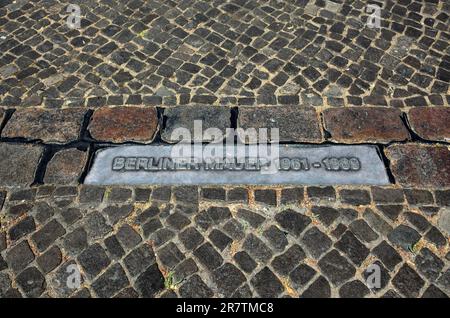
column 18, row 164
column 295, row 123
column 431, row 123
column 420, row 165
column 49, row 125
column 66, row 167
column 365, row 124
column 121, row 124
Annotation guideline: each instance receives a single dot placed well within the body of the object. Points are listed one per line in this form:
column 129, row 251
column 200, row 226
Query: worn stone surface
column 51, row 126
column 18, row 164
column 126, row 247
column 365, row 124
column 420, row 165
column 430, row 123
column 121, row 124
column 295, row 123
column 186, row 117
column 131, row 165
column 66, row 167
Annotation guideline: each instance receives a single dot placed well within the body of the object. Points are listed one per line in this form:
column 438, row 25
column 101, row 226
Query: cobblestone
column 136, row 71
column 361, row 124
column 291, row 252
column 51, row 126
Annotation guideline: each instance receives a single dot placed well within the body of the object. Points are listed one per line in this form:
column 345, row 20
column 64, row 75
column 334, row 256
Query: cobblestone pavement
column 137, row 70
column 192, row 242
column 224, row 52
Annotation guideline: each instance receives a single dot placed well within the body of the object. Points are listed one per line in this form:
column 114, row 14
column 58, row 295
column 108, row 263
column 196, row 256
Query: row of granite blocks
column 56, row 145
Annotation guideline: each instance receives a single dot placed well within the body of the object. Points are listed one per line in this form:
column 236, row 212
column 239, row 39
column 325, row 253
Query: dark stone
column 150, row 282
column 48, row 234
column 76, row 241
column 363, row 231
column 31, row 281
column 208, row 256
column 434, row 292
column 190, row 238
column 381, row 195
column 244, row 261
column 24, row 227
column 49, row 260
column 110, row 282
column 295, row 124
column 353, row 248
column 326, row 214
column 321, row 193
column 151, row 226
column 301, row 275
column 170, row 255
column 194, row 287
column 266, row 284
column 184, row 116
column 286, row 262
column 114, row 248
column 292, row 195
column 256, row 248
column 418, row 221
column 404, row 236
column 254, row 219
column 162, row 193
column 391, row 211
column 276, row 238
column 266, row 196
column 93, row 260
column 213, row 193
column 415, row 196
column 408, row 282
column 353, row 289
column 336, row 268
column 71, row 215
column 237, row 194
column 316, row 242
column 355, row 197
column 91, row 194
column 428, row 264
column 442, row 197
column 128, row 237
column 387, row 254
column 436, row 237
column 293, row 222
column 183, row 270
column 119, row 195
column 19, row 256
column 161, row 236
column 219, row 239
column 142, row 195
column 234, row 229
column 228, row 278
column 116, row 213
column 320, row 288
column 178, row 221
column 139, row 259
column 213, row 216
